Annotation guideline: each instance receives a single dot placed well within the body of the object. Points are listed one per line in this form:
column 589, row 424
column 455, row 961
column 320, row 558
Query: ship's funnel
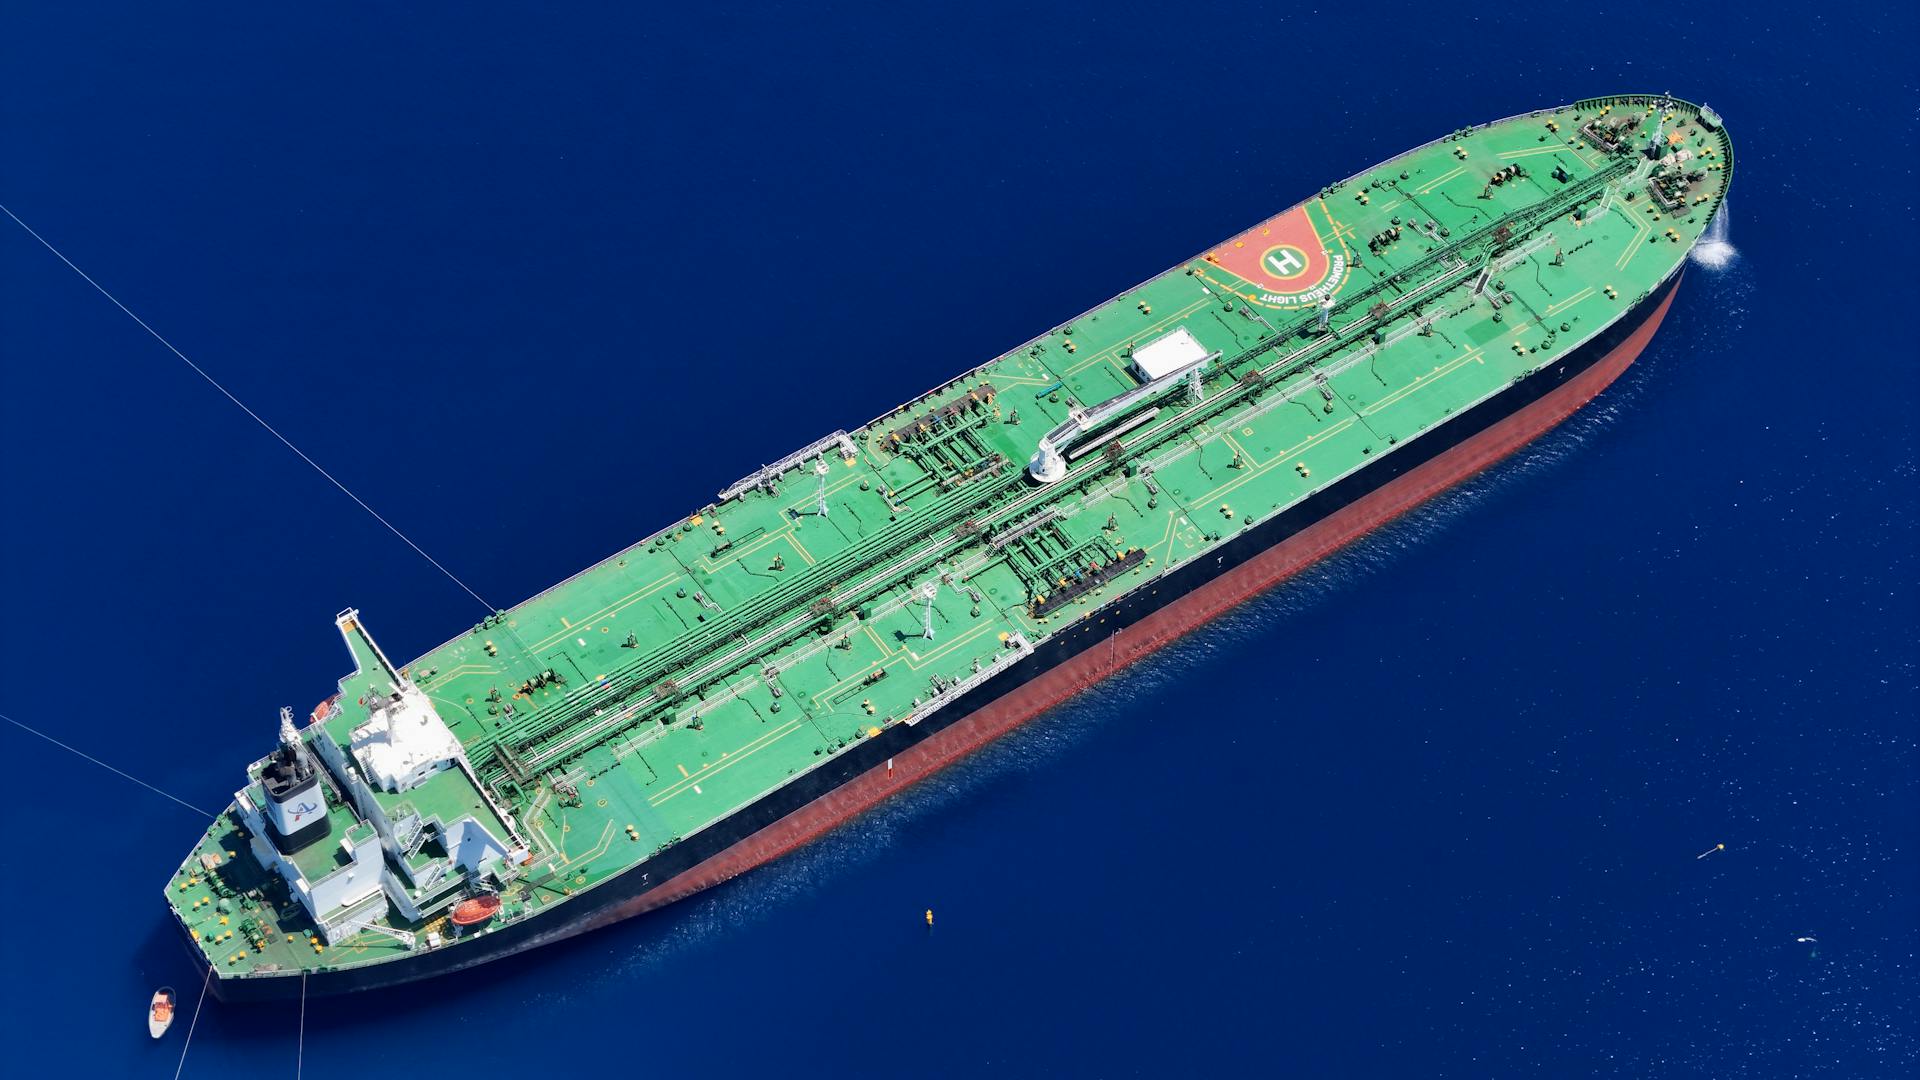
column 296, row 807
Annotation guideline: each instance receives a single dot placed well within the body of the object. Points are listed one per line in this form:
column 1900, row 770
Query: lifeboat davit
column 475, row 910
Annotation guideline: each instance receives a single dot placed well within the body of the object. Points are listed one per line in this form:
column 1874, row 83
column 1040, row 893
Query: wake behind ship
column 880, row 602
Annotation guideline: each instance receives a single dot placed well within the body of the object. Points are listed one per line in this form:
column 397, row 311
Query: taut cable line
column 300, row 1051
column 184, row 1047
column 81, row 753
column 215, row 383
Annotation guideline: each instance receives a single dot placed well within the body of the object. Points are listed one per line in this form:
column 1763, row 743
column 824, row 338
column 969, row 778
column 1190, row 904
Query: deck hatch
column 1167, row 354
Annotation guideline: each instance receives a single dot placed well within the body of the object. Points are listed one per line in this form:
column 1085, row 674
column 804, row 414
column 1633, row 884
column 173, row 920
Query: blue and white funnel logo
column 303, row 811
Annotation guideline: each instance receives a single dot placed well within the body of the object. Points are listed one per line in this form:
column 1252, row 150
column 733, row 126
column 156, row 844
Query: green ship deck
column 870, row 576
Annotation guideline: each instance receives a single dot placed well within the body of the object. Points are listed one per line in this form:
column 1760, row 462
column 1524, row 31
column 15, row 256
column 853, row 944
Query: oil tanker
column 873, row 606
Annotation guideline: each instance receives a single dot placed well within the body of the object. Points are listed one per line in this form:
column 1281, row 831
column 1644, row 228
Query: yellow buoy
column 929, row 916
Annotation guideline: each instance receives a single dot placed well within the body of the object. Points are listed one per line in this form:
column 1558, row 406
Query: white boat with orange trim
column 160, row 1012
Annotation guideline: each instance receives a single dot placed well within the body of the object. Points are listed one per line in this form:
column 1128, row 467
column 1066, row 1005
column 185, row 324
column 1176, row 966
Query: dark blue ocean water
column 533, row 282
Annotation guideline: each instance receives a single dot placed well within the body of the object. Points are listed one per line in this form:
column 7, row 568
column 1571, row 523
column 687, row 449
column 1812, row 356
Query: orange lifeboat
column 475, row 910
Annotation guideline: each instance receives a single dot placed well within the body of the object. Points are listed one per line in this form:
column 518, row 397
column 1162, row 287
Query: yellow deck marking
column 848, row 681
column 1222, row 279
column 682, row 768
column 1287, row 455
column 771, row 536
column 834, row 487
column 1153, row 329
column 743, row 751
column 459, row 709
column 1023, row 620
column 559, row 847
column 950, row 646
column 1166, row 537
column 1570, row 301
column 1640, row 230
column 1173, row 532
column 606, row 835
column 801, row 550
column 612, row 609
column 1442, row 178
column 1426, row 380
column 1530, row 152
column 1341, row 231
column 1328, row 211
column 1019, row 380
column 1238, row 449
column 764, row 741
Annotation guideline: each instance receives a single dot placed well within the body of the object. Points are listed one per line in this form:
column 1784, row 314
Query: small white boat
column 160, row 1012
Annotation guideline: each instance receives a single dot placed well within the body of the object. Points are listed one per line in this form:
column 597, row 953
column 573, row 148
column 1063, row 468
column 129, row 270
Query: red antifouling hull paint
column 1152, row 633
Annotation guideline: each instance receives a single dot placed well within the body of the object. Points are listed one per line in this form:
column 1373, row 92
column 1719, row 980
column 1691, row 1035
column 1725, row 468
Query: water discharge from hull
column 1715, row 251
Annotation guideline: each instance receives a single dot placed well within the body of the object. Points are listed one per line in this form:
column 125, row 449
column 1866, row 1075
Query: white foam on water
column 1715, row 251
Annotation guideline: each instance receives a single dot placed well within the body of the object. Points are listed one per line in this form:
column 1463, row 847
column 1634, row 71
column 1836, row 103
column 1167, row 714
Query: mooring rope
column 215, row 383
column 300, row 1054
column 194, row 1024
column 102, row 764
